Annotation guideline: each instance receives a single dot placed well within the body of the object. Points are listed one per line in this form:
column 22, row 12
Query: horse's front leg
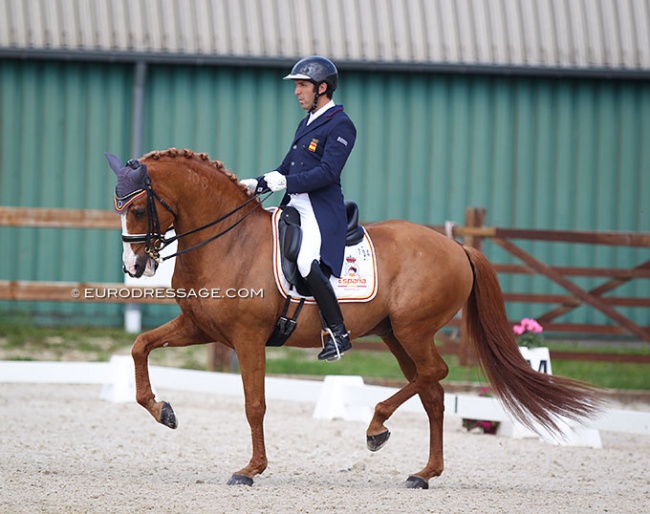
column 252, row 363
column 178, row 332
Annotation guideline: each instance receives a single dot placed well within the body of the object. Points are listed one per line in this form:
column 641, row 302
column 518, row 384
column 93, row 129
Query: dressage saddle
column 290, row 238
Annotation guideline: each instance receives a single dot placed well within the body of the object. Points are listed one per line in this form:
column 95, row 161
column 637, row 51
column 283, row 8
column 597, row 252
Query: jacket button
column 295, row 146
column 292, row 163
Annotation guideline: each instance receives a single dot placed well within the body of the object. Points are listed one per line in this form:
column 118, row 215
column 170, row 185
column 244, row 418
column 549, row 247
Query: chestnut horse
column 425, row 278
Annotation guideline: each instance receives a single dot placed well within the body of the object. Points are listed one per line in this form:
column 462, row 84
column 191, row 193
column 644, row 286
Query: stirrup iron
column 328, row 331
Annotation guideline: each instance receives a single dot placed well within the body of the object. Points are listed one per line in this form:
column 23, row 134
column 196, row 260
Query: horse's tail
column 529, row 395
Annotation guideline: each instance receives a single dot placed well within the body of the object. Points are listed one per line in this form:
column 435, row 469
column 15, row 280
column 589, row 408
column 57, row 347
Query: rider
column 311, row 175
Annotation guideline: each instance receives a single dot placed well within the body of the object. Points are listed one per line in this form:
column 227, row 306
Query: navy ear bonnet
column 132, row 181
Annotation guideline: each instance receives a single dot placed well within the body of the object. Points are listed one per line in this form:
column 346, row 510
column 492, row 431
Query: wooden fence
column 474, row 233
column 62, row 291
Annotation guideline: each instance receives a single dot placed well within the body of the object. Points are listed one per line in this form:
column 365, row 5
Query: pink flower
column 527, row 325
column 485, row 391
column 532, row 325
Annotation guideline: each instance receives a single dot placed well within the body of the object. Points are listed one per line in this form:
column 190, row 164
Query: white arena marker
column 120, row 387
column 333, row 402
column 357, row 400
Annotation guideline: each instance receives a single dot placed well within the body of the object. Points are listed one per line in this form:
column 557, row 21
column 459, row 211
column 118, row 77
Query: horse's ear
column 140, row 174
column 114, row 162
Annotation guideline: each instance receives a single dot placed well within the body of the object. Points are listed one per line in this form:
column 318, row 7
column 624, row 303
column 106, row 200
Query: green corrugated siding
column 242, row 117
column 535, row 152
column 56, row 121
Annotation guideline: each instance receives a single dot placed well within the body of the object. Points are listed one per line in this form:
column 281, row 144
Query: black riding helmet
column 317, row 70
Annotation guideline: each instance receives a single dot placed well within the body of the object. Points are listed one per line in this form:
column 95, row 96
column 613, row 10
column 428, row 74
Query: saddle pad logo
column 313, row 145
column 351, row 266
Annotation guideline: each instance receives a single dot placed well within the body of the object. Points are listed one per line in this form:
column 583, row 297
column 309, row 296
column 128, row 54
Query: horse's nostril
column 140, row 265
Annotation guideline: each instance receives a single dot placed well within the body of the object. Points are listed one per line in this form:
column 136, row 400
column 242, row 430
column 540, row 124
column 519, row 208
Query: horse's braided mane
column 191, row 154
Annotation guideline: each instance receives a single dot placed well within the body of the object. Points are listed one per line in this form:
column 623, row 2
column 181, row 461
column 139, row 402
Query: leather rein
column 154, row 241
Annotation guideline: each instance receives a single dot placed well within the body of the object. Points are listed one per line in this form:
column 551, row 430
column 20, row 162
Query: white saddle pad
column 358, row 281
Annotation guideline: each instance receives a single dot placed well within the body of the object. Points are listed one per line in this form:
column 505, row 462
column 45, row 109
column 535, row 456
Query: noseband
column 154, row 241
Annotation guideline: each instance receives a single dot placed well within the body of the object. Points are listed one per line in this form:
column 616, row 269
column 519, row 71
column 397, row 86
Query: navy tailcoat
column 313, row 165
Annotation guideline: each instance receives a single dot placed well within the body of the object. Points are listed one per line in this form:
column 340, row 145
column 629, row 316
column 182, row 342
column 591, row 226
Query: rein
column 154, row 241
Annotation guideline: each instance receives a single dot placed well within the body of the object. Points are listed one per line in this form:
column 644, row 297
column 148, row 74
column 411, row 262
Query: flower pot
column 538, row 358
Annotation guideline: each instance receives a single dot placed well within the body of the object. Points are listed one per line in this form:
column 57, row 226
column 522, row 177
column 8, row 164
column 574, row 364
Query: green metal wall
column 56, row 120
column 535, row 152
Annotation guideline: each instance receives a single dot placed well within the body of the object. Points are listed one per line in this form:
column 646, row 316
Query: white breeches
column 311, row 240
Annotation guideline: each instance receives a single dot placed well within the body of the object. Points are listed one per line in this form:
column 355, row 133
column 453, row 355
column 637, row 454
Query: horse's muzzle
column 143, row 266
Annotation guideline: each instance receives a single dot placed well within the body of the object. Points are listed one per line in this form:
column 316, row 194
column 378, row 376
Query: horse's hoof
column 377, row 442
column 240, row 480
column 167, row 416
column 414, row 482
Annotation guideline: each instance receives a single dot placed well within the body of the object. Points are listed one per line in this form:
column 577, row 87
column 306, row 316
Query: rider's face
column 306, row 92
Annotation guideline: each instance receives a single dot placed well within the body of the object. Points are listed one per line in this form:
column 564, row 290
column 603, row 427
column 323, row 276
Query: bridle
column 154, row 241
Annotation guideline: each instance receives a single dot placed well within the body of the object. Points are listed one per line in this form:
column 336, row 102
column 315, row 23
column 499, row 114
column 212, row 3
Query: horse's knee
column 255, row 410
column 140, row 349
column 137, row 350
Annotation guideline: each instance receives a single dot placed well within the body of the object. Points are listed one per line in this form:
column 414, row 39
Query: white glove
column 275, row 180
column 250, row 183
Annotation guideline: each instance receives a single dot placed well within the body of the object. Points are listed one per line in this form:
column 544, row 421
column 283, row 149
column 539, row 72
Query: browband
column 121, row 204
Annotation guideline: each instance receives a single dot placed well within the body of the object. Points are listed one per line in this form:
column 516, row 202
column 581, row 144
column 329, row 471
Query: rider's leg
column 338, row 341
column 308, row 258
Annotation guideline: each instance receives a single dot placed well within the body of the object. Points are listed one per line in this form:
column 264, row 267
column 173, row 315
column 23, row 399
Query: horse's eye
column 138, row 212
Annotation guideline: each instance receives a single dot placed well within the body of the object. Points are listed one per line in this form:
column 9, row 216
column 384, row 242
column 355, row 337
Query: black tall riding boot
column 339, row 339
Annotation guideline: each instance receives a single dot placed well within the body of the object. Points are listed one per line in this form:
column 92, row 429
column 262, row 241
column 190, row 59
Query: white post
column 162, row 278
column 132, row 318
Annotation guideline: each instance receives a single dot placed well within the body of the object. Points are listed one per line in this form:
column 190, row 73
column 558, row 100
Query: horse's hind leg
column 424, row 368
column 377, row 434
column 433, row 399
column 178, row 332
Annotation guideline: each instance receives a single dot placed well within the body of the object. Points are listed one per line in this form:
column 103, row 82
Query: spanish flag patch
column 313, row 145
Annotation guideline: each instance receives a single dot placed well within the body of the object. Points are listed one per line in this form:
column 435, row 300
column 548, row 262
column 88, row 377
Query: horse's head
column 136, row 202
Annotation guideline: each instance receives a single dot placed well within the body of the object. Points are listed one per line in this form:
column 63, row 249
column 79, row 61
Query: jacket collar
column 326, row 117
